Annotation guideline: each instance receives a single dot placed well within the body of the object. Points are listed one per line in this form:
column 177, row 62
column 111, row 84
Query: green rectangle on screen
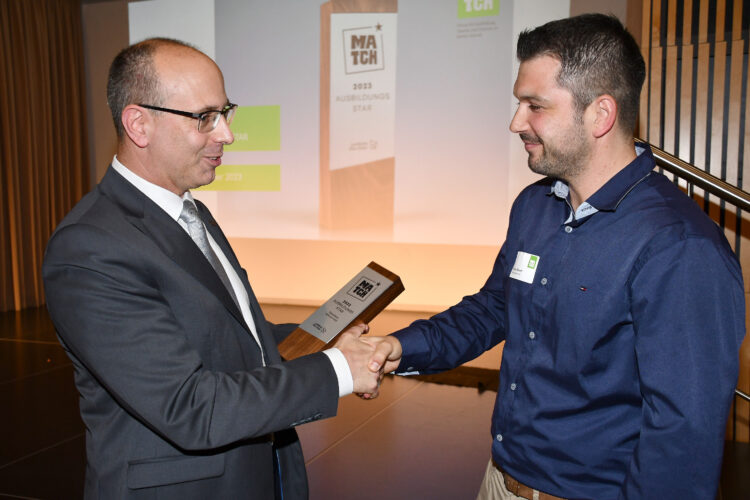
column 256, row 128
column 246, row 178
column 478, row 8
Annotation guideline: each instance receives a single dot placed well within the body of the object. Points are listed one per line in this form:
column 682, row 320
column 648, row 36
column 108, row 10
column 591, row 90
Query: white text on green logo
column 478, row 8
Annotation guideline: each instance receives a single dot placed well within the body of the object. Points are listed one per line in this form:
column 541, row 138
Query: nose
column 518, row 123
column 222, row 133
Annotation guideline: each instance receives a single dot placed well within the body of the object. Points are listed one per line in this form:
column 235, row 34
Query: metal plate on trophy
column 360, row 300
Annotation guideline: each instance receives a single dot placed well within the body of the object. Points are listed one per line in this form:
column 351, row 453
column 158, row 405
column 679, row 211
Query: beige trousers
column 493, row 486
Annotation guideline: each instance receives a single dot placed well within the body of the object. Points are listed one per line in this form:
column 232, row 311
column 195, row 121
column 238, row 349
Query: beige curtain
column 43, row 147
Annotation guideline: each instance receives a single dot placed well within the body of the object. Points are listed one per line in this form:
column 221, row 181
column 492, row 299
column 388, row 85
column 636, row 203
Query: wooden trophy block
column 359, row 301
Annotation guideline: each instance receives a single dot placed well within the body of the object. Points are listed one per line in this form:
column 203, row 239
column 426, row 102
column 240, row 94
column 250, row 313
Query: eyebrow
column 211, row 108
column 535, row 98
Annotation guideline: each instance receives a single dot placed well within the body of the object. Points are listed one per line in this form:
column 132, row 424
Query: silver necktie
column 197, row 231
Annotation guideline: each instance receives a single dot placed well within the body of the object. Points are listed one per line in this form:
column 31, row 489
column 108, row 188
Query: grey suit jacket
column 173, row 394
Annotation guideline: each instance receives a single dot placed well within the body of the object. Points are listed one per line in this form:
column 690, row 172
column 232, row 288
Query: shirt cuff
column 343, row 373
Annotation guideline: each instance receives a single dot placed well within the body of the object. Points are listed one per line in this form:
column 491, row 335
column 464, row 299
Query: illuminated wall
column 456, row 165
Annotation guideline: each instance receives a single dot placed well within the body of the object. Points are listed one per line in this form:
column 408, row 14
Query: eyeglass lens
column 210, row 119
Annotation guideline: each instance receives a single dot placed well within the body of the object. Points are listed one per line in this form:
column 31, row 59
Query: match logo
column 363, row 49
column 363, row 288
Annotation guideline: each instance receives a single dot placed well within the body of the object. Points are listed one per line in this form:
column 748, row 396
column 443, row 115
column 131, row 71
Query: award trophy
column 360, row 300
column 357, row 114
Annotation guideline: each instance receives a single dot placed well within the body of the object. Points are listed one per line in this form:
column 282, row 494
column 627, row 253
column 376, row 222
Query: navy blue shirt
column 622, row 330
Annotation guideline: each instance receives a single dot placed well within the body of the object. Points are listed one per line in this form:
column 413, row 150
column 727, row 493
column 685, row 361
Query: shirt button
column 532, row 335
column 568, row 229
column 499, row 437
column 544, row 281
column 513, row 386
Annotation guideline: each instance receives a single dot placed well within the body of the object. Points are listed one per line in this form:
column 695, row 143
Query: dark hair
column 133, row 78
column 597, row 56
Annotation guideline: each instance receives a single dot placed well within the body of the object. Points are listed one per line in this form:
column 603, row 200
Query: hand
column 387, row 354
column 385, row 359
column 358, row 353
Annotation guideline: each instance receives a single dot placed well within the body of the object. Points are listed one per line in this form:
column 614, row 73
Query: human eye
column 531, row 104
column 208, row 116
column 207, row 120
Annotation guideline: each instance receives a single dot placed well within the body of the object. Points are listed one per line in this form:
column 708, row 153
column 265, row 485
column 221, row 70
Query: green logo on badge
column 533, row 259
column 478, row 8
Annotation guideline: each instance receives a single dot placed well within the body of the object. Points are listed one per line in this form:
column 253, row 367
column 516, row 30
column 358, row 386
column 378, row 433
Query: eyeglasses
column 207, row 121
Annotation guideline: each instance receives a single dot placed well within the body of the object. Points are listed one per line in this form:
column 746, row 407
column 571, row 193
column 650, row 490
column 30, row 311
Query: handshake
column 369, row 358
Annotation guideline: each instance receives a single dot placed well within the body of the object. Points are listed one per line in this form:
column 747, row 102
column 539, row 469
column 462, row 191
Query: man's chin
column 537, row 166
column 202, row 182
column 208, row 178
column 533, row 163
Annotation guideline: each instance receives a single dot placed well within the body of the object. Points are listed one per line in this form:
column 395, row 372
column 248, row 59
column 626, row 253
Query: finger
column 378, row 358
column 359, row 329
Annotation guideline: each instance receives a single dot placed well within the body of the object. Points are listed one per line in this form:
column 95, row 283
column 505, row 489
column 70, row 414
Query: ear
column 136, row 123
column 604, row 108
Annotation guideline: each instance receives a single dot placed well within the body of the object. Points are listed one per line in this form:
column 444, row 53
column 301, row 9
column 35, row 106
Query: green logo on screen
column 478, row 8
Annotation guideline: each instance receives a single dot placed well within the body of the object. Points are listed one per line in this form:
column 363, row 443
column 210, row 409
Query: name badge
column 525, row 267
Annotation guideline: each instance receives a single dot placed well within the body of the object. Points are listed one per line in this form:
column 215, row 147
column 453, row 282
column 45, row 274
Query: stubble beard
column 564, row 161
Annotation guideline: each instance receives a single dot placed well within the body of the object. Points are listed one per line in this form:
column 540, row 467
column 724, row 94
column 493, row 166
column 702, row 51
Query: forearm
column 455, row 336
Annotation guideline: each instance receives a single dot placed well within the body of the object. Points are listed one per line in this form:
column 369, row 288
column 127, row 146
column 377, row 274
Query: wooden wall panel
column 703, row 22
column 737, row 17
column 687, row 21
column 670, row 99
column 654, row 119
column 716, row 118
column 734, row 109
column 645, row 42
column 700, row 112
column 686, row 102
column 716, row 115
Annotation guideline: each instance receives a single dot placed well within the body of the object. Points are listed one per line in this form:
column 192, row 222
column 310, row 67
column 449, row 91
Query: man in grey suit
column 182, row 389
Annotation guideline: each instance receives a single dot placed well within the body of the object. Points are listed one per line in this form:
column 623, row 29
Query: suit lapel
column 167, row 234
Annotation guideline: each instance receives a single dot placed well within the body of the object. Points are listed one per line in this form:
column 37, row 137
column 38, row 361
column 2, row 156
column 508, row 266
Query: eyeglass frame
column 225, row 112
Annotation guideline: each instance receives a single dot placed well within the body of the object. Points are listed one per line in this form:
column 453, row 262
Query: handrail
column 710, row 183
column 698, row 177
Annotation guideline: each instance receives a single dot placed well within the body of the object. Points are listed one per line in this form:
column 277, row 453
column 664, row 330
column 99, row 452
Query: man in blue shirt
column 620, row 302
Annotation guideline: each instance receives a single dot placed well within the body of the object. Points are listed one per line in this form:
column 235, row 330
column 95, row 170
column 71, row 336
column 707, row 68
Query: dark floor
column 418, row 440
column 428, row 440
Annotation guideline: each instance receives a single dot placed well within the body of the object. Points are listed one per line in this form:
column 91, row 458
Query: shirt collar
column 167, row 200
column 609, row 196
